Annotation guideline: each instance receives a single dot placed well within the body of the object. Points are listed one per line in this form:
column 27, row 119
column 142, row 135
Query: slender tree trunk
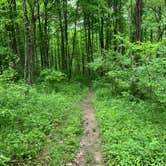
column 28, row 50
column 62, row 30
column 17, row 41
column 46, row 39
column 55, row 54
column 138, row 34
column 74, row 44
column 160, row 30
column 151, row 36
column 138, row 24
column 102, row 33
column 89, row 41
column 41, row 44
column 33, row 36
column 65, row 13
column 59, row 52
column 115, row 13
column 108, row 33
column 12, row 27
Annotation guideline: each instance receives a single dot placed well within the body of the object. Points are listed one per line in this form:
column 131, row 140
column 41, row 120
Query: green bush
column 52, row 76
column 8, row 76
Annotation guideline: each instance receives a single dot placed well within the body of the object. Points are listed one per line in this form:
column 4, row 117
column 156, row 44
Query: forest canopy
column 68, row 35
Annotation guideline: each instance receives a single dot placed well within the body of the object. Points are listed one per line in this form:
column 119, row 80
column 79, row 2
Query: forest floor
column 89, row 153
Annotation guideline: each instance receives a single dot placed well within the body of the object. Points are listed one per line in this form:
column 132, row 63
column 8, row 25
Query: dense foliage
column 31, row 119
column 67, row 35
column 132, row 132
column 117, row 45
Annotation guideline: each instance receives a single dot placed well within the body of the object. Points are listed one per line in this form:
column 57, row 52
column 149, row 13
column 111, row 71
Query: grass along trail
column 89, row 153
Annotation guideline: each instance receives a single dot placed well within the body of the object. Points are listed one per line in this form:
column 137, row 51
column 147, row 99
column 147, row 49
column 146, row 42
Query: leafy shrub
column 7, row 59
column 52, row 76
column 50, row 80
column 8, row 76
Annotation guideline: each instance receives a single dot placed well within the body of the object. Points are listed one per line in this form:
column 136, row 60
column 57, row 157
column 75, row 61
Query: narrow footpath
column 89, row 153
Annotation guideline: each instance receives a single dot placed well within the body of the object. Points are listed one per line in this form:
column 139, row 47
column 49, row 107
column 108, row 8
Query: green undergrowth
column 132, row 132
column 38, row 125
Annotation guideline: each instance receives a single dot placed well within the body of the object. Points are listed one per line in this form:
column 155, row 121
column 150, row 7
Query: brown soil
column 89, row 152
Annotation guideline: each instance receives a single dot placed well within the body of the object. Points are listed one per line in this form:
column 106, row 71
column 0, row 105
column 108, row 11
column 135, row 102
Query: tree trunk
column 138, row 34
column 62, row 30
column 28, row 49
column 102, row 33
column 74, row 44
column 41, row 44
column 46, row 39
column 65, row 14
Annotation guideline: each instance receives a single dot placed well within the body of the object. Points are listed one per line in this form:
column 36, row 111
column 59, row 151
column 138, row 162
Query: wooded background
column 68, row 35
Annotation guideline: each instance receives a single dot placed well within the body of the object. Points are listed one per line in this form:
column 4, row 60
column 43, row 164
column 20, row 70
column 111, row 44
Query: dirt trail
column 89, row 152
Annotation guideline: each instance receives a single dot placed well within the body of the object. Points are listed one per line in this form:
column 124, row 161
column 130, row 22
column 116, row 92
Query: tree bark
column 74, row 44
column 46, row 39
column 28, row 47
column 138, row 34
column 102, row 33
column 41, row 44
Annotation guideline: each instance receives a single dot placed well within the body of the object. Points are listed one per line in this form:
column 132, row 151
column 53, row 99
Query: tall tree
column 138, row 20
column 29, row 50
